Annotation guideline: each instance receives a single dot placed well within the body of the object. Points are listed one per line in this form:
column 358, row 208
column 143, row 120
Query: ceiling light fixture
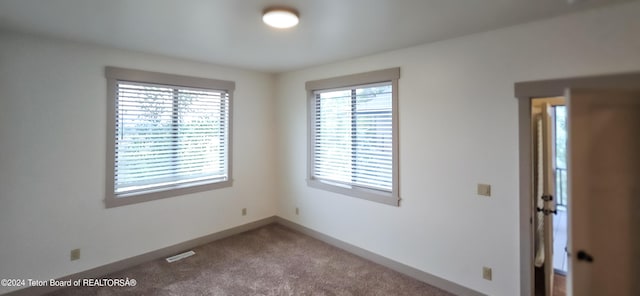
column 280, row 18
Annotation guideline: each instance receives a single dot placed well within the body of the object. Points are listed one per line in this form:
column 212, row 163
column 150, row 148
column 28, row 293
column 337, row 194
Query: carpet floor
column 272, row 260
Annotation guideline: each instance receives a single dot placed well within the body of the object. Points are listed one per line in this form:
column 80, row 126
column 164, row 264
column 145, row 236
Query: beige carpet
column 272, row 260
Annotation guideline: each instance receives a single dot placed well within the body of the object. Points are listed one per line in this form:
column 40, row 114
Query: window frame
column 391, row 75
column 114, row 75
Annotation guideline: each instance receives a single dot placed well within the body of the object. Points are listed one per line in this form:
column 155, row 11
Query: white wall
column 52, row 161
column 458, row 127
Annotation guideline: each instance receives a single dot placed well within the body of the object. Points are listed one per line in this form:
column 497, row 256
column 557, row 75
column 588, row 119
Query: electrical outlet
column 297, row 211
column 244, row 211
column 74, row 254
column 486, row 273
column 484, row 189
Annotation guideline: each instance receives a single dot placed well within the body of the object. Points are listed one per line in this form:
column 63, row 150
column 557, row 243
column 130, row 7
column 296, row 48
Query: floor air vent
column 180, row 256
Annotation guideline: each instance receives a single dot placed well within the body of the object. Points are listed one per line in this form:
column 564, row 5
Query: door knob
column 583, row 256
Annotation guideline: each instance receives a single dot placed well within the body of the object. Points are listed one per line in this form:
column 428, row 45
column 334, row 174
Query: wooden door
column 604, row 192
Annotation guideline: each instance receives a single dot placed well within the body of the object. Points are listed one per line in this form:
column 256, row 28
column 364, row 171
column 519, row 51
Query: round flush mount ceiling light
column 280, row 18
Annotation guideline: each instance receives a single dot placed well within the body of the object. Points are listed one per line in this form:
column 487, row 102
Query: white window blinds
column 353, row 136
column 169, row 137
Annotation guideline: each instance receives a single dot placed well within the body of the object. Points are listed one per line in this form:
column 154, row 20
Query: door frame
column 525, row 92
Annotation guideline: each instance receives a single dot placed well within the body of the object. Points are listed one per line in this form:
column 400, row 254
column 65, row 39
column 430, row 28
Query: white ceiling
column 231, row 32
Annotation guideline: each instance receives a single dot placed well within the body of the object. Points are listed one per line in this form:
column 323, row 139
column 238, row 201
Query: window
column 168, row 135
column 353, row 138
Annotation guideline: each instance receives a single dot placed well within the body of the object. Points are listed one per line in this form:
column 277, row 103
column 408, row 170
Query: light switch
column 484, row 189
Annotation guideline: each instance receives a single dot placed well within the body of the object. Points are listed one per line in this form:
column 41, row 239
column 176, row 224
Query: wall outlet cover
column 74, row 254
column 486, row 273
column 484, row 189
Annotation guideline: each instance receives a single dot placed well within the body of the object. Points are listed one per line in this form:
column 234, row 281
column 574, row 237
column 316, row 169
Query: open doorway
column 602, row 156
column 549, row 146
